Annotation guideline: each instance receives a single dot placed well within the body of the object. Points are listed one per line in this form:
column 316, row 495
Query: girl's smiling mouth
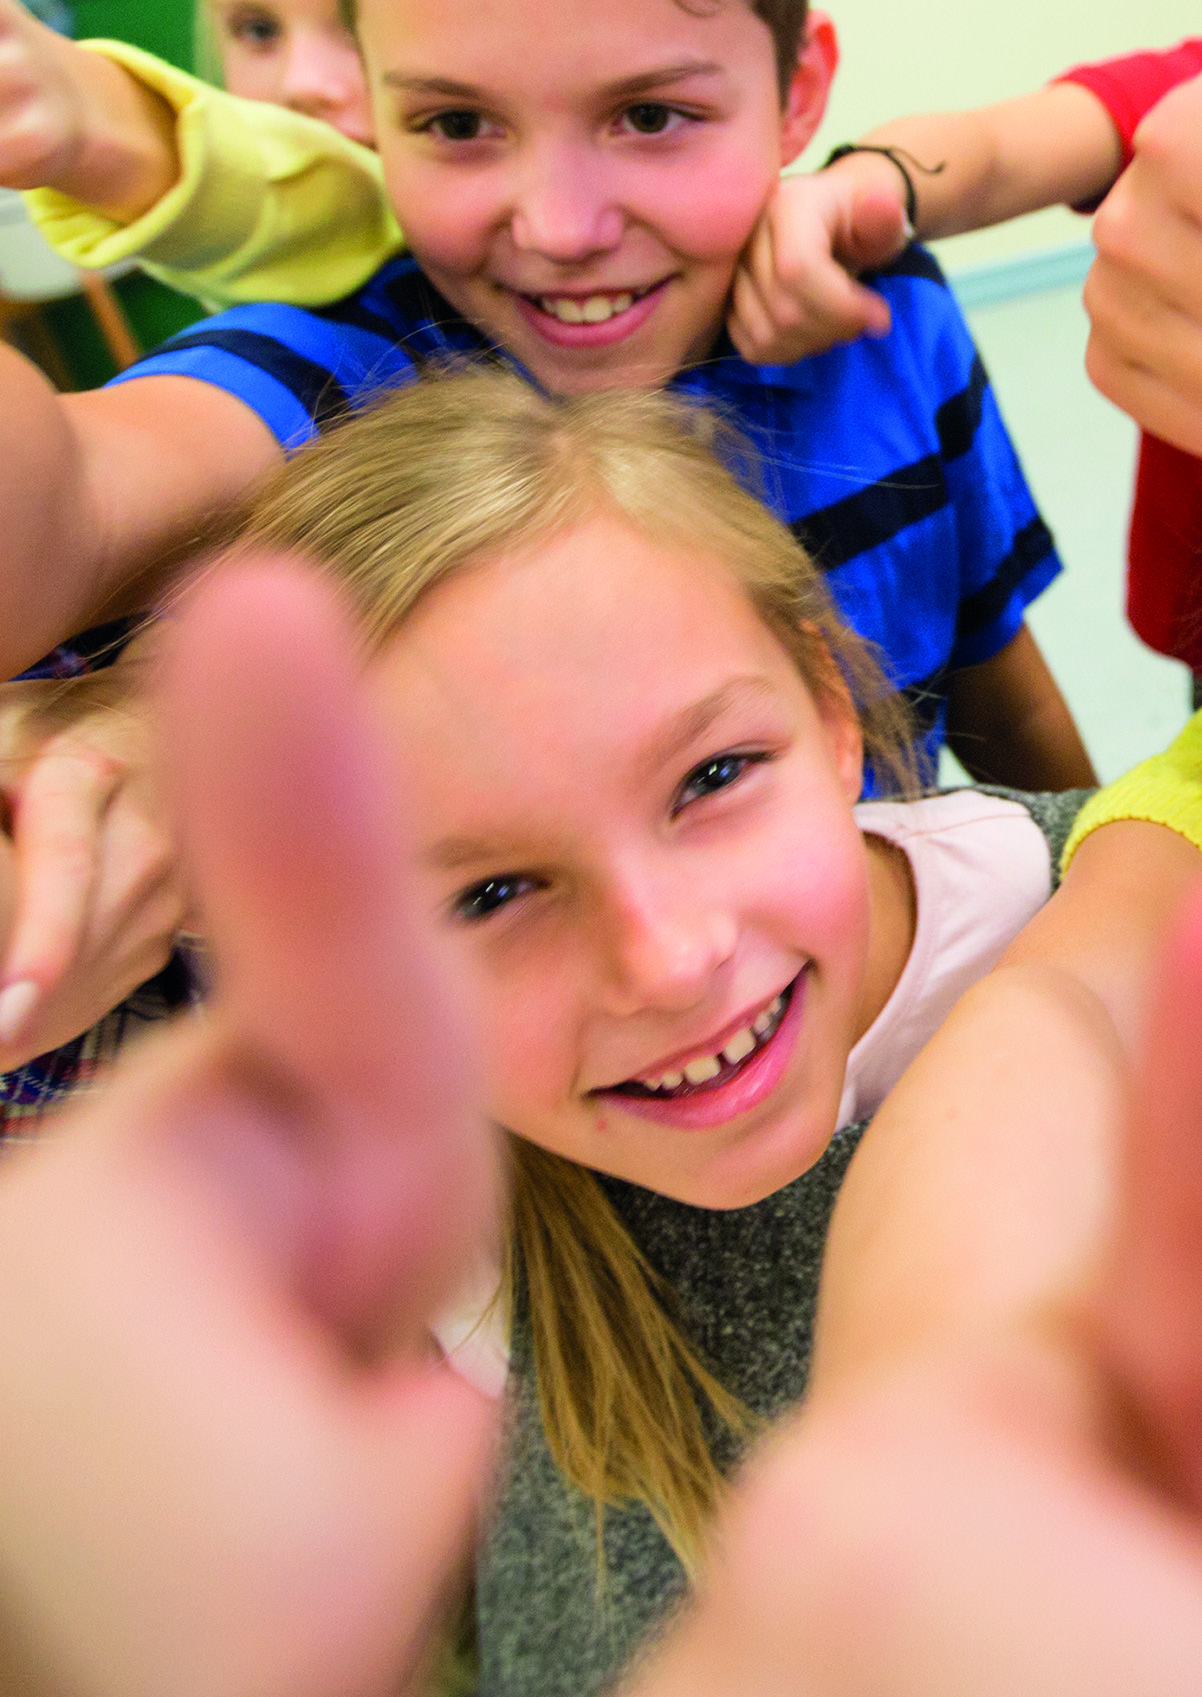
column 710, row 1089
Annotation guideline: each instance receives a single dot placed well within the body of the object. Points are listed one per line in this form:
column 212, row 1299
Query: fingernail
column 908, row 229
column 16, row 1005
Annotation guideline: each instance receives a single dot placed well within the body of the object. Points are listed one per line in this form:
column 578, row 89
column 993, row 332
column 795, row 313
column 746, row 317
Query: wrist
column 883, row 169
column 125, row 159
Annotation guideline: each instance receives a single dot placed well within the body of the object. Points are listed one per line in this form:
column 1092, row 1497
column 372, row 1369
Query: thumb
column 876, row 230
column 325, row 970
column 1149, row 1308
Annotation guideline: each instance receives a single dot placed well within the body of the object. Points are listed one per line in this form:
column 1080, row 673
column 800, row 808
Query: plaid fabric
column 51, row 1079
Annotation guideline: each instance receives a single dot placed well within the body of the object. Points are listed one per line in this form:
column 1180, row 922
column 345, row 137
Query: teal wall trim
column 1024, row 274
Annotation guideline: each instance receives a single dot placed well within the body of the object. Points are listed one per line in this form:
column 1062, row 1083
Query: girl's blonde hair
column 427, row 483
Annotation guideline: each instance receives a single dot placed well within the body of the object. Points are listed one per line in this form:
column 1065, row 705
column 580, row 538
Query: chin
column 744, row 1178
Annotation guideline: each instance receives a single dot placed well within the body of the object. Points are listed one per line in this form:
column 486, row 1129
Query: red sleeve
column 1129, row 87
column 1164, row 580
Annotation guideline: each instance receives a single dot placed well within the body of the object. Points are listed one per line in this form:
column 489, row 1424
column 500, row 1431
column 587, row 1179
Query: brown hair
column 785, row 18
column 443, row 476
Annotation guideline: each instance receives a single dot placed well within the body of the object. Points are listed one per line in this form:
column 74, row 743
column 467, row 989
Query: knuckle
column 1114, row 230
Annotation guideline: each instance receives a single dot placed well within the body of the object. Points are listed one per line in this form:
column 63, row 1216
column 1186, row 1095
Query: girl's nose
column 666, row 952
column 563, row 209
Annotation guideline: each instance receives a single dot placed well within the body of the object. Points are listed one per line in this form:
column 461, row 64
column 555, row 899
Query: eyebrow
column 684, row 728
column 666, row 744
column 446, row 88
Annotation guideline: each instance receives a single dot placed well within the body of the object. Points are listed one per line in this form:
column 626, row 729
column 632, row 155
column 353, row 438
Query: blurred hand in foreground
column 229, row 1462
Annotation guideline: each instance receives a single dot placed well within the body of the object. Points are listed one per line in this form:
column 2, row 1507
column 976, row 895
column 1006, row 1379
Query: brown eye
column 650, row 117
column 457, row 126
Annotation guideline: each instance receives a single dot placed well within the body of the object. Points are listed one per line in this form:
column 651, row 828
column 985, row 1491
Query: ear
column 836, row 711
column 842, row 725
column 805, row 100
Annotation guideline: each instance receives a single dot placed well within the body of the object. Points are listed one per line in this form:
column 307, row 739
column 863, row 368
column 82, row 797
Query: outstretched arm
column 797, row 291
column 125, row 157
column 987, row 1183
column 102, row 492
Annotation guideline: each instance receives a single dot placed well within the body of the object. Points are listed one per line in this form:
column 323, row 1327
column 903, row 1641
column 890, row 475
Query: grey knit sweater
column 747, row 1282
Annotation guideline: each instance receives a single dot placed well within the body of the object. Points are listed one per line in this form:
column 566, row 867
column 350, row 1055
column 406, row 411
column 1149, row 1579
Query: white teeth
column 595, row 310
column 740, row 1046
column 707, row 1067
column 567, row 311
column 769, row 1017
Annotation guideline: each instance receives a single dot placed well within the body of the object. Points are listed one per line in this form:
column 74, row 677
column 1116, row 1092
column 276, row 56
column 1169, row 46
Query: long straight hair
column 433, row 481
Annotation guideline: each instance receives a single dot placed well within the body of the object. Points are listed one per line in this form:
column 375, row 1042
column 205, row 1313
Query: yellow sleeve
column 1165, row 790
column 269, row 205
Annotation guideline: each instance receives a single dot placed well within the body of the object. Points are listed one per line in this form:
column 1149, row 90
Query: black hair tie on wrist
column 898, row 157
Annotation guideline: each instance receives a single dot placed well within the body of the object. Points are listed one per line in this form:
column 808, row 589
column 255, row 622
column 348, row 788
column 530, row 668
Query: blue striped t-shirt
column 888, row 458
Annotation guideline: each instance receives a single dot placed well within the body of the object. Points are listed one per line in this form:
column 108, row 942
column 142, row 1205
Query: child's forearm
column 971, row 169
column 982, row 1197
column 39, row 465
column 105, row 492
column 1008, row 723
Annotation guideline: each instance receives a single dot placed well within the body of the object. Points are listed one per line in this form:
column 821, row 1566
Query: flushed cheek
column 530, row 1066
column 714, row 209
column 826, row 914
column 448, row 221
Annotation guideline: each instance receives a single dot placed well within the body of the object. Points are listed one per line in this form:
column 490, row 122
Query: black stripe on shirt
column 870, row 516
column 1032, row 544
column 958, row 419
column 315, row 388
column 357, row 316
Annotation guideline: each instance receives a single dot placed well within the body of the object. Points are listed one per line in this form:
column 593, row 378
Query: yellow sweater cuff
column 269, row 205
column 1165, row 790
column 207, row 157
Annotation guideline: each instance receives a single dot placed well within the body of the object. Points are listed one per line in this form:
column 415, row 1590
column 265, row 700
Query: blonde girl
column 625, row 724
column 294, row 53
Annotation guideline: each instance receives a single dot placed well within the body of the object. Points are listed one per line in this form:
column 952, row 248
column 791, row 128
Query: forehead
column 582, row 649
column 580, row 43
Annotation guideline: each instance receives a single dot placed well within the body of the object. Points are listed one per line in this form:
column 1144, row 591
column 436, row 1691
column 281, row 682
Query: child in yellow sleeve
column 222, row 197
column 1163, row 790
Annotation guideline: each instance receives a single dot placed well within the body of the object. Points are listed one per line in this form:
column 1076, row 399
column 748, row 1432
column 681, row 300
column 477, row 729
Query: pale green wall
column 936, row 54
